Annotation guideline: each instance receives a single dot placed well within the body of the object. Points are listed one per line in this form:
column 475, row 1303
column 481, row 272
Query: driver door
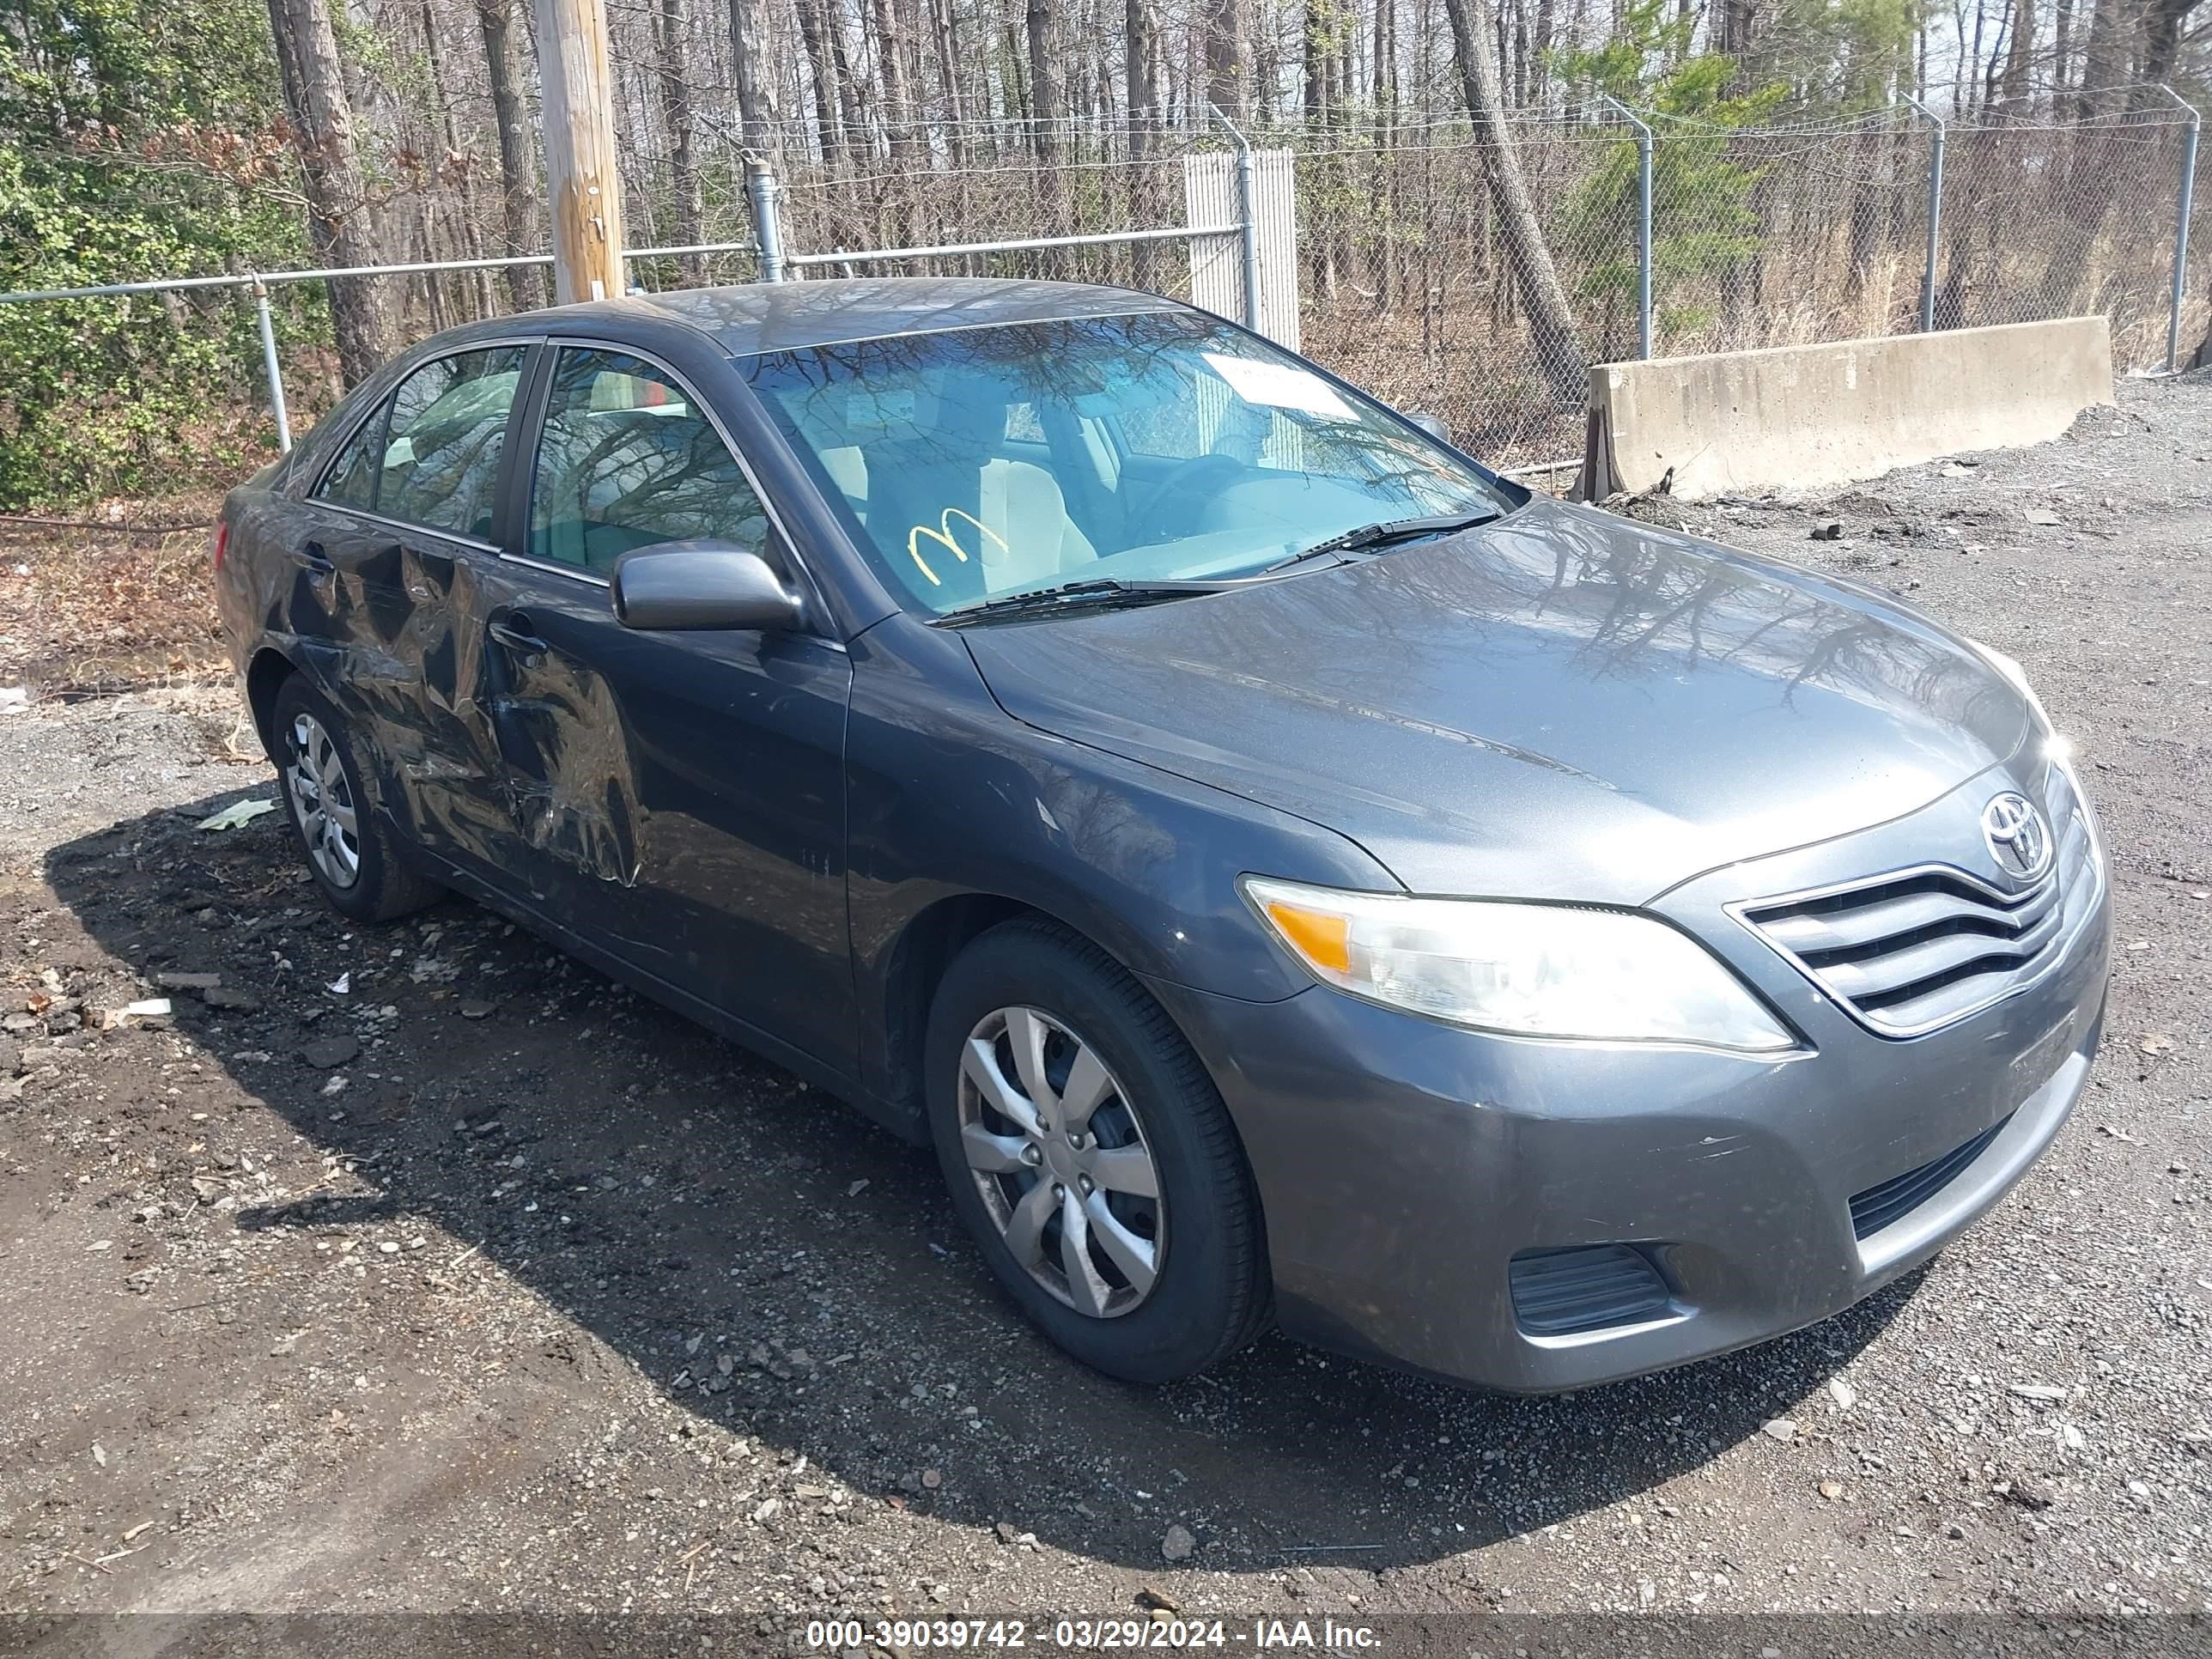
column 680, row 796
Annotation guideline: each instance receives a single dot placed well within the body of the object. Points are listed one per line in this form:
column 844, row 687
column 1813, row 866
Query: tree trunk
column 675, row 21
column 1551, row 324
column 1140, row 50
column 1044, row 91
column 1540, row 49
column 890, row 68
column 946, row 27
column 822, row 76
column 2013, row 85
column 458, row 162
column 2161, row 39
column 756, row 90
column 362, row 307
column 518, row 173
column 1044, row 96
column 2105, row 61
column 1228, row 57
column 1319, row 16
column 1383, row 269
column 1733, row 28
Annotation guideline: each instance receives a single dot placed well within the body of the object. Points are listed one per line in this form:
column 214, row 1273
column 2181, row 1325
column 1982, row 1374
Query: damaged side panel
column 374, row 613
column 678, row 797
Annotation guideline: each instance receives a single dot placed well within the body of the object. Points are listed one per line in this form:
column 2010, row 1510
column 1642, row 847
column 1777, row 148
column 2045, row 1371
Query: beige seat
column 1023, row 508
column 1020, row 504
column 848, row 471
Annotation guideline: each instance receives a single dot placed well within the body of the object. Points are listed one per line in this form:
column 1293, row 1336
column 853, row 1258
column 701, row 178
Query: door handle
column 527, row 646
column 311, row 558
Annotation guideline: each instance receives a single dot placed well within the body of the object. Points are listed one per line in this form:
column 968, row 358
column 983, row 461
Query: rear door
column 679, row 796
column 378, row 604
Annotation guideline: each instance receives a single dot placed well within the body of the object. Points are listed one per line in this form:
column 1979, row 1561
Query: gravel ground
column 417, row 1268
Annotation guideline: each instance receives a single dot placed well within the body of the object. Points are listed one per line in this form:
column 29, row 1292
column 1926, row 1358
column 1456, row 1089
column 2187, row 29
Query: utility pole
column 582, row 187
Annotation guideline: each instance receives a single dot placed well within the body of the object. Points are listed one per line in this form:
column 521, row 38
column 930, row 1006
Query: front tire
column 349, row 849
column 1090, row 1156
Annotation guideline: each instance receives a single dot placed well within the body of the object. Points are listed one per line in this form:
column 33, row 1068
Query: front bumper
column 1403, row 1164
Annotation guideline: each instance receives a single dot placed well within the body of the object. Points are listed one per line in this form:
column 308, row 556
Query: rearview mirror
column 702, row 584
column 1429, row 424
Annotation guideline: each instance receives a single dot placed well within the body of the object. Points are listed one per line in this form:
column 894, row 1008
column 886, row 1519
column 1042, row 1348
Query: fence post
column 270, row 366
column 759, row 185
column 1934, row 215
column 2181, row 228
column 1643, row 225
column 1249, row 222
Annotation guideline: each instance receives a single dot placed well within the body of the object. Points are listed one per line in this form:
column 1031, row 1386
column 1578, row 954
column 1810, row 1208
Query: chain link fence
column 1759, row 237
column 1410, row 278
column 959, row 185
column 2196, row 303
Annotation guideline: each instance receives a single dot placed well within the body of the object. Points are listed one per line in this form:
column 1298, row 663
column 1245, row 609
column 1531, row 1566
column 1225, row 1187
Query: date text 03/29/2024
column 843, row 1636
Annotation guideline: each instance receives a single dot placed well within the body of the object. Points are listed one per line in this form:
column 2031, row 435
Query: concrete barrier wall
column 1799, row 418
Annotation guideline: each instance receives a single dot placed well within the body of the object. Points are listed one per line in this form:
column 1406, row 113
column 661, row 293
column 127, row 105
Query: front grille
column 1878, row 1206
column 1587, row 1287
column 1917, row 949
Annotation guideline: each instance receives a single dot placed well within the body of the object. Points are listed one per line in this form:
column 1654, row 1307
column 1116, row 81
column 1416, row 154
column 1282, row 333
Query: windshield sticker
column 943, row 537
column 1280, row 385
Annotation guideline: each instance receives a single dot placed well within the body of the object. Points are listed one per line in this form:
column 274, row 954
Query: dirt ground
column 417, row 1268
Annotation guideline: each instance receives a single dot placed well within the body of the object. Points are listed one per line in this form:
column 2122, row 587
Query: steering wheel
column 1181, row 494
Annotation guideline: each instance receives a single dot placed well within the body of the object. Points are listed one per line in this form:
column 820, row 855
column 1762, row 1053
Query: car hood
column 1563, row 704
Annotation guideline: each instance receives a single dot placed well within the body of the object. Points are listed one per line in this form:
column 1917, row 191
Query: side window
column 351, row 481
column 440, row 459
column 625, row 461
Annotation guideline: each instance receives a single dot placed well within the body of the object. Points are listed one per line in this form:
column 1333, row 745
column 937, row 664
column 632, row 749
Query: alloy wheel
column 323, row 802
column 1060, row 1156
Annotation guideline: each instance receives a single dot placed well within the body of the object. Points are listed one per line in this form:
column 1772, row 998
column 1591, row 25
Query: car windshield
column 979, row 463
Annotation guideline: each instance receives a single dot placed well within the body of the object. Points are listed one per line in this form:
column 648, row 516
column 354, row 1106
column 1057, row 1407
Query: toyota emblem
column 2019, row 839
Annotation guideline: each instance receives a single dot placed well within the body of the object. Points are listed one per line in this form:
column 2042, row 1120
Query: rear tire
column 1146, row 1286
column 348, row 848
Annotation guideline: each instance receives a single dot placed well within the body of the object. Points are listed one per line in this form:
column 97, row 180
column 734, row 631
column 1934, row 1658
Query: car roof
column 754, row 317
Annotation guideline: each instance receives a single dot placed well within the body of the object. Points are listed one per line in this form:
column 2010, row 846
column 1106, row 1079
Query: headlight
column 1534, row 969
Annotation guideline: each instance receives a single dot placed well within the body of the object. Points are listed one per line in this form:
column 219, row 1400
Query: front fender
column 948, row 795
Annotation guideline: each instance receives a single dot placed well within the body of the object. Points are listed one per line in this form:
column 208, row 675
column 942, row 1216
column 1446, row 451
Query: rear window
column 430, row 453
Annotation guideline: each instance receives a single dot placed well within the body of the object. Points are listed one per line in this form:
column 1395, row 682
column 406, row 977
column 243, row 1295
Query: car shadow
column 773, row 1262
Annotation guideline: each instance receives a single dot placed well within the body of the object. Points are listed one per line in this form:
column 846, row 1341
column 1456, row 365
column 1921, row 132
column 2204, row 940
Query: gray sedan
column 1289, row 872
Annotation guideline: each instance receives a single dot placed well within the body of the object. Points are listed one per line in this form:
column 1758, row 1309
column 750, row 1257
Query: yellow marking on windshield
column 942, row 535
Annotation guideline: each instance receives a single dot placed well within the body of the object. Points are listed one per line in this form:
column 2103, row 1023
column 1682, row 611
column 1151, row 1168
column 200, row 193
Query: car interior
column 969, row 490
column 624, row 462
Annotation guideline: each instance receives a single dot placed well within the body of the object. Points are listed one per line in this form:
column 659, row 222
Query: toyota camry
column 1289, row 872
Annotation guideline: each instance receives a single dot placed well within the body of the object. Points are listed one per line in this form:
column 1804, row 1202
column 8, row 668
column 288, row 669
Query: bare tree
column 822, row 37
column 675, row 25
column 361, row 312
column 2162, row 23
column 755, row 76
column 1043, row 85
column 1551, row 324
column 1228, row 26
column 522, row 217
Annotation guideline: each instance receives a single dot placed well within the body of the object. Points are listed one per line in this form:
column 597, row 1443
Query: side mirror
column 1429, row 424
column 702, row 584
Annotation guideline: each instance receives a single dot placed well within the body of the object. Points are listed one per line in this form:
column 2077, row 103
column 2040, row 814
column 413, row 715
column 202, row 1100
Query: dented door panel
column 679, row 796
column 369, row 609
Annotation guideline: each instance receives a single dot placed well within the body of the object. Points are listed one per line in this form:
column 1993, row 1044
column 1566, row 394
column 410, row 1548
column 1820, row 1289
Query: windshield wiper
column 1382, row 534
column 1098, row 592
